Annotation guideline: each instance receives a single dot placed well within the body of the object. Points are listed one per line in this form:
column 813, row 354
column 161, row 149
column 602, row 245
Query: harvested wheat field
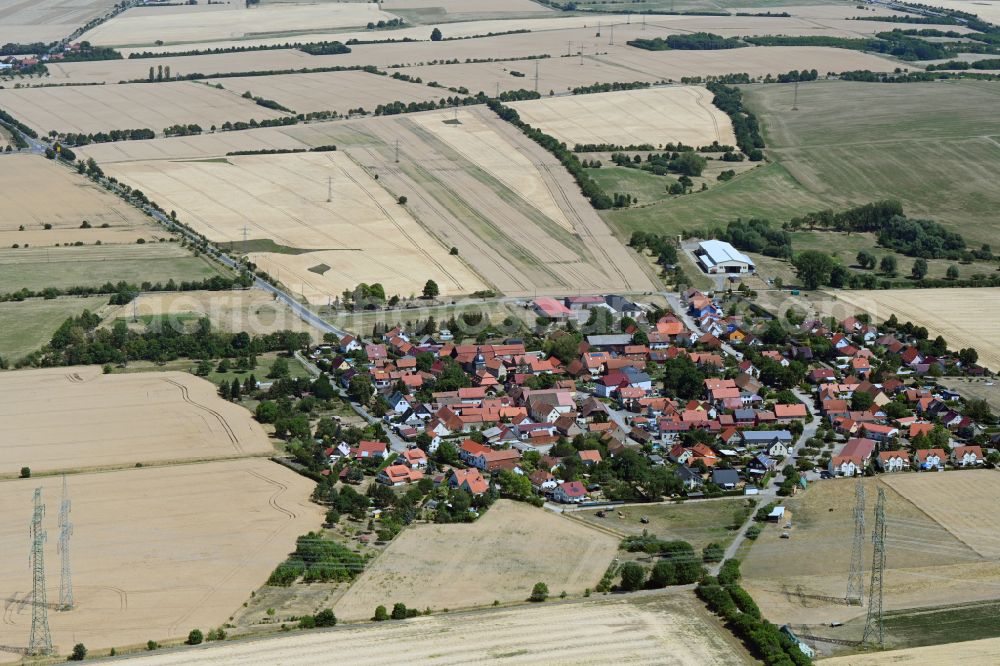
column 331, row 91
column 509, row 206
column 364, row 235
column 130, row 106
column 927, row 563
column 499, row 557
column 631, row 117
column 554, row 74
column 965, row 317
column 672, row 629
column 215, row 144
column 947, row 497
column 38, row 191
column 986, row 651
column 46, row 20
column 203, row 23
column 155, row 552
column 253, row 310
column 79, row 418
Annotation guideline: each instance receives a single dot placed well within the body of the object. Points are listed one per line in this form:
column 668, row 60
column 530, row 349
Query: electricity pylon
column 855, row 579
column 65, row 532
column 874, row 629
column 40, row 642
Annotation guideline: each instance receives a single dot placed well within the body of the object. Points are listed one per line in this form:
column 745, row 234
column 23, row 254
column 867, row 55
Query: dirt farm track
column 107, row 421
column 156, row 552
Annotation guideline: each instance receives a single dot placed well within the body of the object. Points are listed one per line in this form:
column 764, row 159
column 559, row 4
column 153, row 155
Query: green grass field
column 647, row 187
column 697, row 522
column 767, row 191
column 933, row 146
column 917, row 627
column 38, row 268
column 26, row 326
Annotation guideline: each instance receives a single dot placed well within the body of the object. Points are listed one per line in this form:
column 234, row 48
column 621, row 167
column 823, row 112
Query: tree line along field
column 930, row 145
column 46, row 20
column 98, row 421
column 156, row 552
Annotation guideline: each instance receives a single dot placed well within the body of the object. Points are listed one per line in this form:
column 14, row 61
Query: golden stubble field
column 508, row 205
column 964, row 317
column 670, row 629
column 152, row 106
column 935, row 553
column 331, row 91
column 631, row 117
column 38, row 191
column 362, row 235
column 202, row 23
column 46, row 20
column 155, row 552
column 79, row 418
column 499, row 557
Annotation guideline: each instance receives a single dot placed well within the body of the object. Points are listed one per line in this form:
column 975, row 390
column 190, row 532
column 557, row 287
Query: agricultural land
column 527, row 331
column 182, row 417
column 497, row 558
column 157, row 550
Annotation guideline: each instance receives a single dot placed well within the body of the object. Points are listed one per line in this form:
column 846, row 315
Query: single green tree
column 436, row 35
column 279, row 368
column 919, row 270
column 326, row 618
column 540, row 592
column 381, row 614
column 813, row 268
column 398, row 611
column 633, row 576
column 195, row 637
column 952, row 272
column 888, row 265
column 431, row 289
column 79, row 652
column 25, row 472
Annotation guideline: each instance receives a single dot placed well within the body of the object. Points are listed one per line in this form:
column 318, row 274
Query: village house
column 967, row 456
column 367, row 449
column 570, row 492
column 931, row 459
column 399, row 475
column 893, row 461
column 853, row 457
column 469, row 480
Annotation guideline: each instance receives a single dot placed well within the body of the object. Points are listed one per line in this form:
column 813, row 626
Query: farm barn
column 720, row 257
